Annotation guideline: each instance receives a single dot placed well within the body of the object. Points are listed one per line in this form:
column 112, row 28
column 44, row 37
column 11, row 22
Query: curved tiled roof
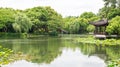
column 100, row 23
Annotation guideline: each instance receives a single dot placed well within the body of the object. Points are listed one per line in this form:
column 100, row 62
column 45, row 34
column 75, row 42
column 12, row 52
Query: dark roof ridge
column 100, row 22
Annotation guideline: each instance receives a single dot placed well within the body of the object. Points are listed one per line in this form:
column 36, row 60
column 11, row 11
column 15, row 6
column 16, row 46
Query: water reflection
column 68, row 58
column 59, row 52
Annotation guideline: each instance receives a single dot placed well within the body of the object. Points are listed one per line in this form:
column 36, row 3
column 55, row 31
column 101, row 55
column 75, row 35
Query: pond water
column 44, row 51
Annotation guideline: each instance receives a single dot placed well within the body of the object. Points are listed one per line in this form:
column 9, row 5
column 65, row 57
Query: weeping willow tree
column 78, row 25
column 74, row 26
column 22, row 23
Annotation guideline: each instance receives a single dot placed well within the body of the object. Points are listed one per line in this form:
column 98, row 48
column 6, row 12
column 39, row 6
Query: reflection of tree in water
column 113, row 52
column 45, row 54
column 104, row 52
column 94, row 50
column 35, row 51
column 46, row 50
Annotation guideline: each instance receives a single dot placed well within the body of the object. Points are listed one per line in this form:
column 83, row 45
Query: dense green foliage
column 110, row 10
column 44, row 20
column 6, row 19
column 22, row 23
column 76, row 25
column 113, row 12
column 114, row 63
column 13, row 35
column 112, row 3
column 80, row 24
column 89, row 16
column 41, row 20
column 114, row 26
column 92, row 40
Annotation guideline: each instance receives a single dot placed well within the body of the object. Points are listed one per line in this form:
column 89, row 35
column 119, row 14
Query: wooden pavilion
column 100, row 27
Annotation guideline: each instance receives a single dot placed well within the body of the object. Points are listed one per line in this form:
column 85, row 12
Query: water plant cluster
column 5, row 55
column 114, row 63
column 92, row 40
column 8, row 56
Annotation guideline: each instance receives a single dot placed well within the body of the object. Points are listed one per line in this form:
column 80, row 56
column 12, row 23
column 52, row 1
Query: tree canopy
column 22, row 23
column 45, row 20
column 6, row 19
column 114, row 26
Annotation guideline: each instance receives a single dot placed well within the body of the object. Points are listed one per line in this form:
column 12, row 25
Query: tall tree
column 90, row 16
column 22, row 23
column 6, row 19
column 118, row 3
column 112, row 3
column 44, row 19
column 111, row 9
column 114, row 26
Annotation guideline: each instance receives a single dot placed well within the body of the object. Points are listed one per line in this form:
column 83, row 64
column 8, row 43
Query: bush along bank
column 13, row 35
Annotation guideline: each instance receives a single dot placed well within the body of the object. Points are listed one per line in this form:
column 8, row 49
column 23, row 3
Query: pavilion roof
column 100, row 23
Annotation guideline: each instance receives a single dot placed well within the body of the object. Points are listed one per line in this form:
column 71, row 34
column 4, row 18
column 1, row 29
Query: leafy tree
column 90, row 28
column 67, row 21
column 38, row 17
column 43, row 19
column 22, row 23
column 71, row 24
column 83, row 25
column 111, row 9
column 88, row 15
column 109, row 12
column 6, row 19
column 76, row 25
column 114, row 26
column 118, row 1
column 54, row 20
column 113, row 13
column 112, row 3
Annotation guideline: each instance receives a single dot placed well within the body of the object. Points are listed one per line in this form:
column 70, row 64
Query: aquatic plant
column 5, row 55
column 91, row 40
column 114, row 63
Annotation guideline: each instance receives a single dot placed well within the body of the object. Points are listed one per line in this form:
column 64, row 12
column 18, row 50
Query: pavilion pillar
column 100, row 30
column 104, row 30
column 96, row 30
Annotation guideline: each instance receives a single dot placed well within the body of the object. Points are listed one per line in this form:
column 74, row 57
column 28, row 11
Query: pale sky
column 63, row 7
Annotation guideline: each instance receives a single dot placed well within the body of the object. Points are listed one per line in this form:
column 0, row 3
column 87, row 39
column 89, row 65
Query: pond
column 62, row 51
